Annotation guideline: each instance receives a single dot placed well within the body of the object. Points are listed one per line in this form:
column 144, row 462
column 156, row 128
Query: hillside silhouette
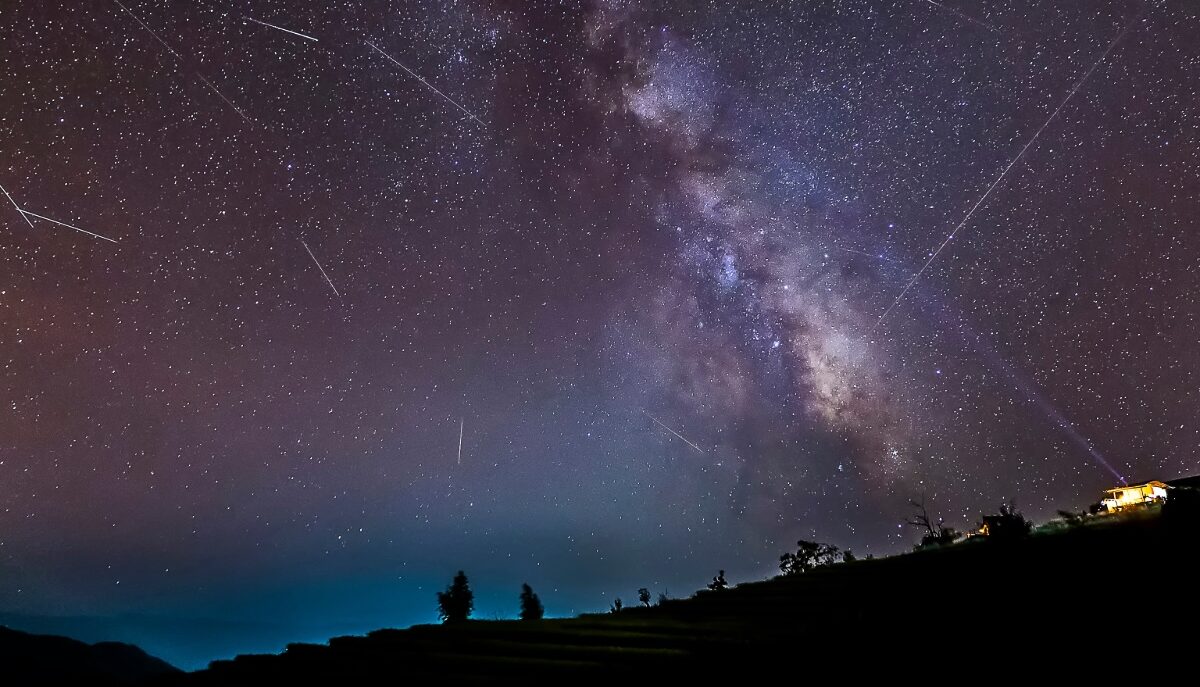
column 1123, row 581
column 29, row 659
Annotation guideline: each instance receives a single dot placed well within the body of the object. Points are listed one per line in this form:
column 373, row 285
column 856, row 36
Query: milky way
column 586, row 295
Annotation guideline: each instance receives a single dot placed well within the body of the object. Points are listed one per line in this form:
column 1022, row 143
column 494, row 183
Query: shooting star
column 222, row 97
column 863, row 252
column 179, row 57
column 318, row 264
column 683, row 438
column 967, row 17
column 1028, row 144
column 425, row 83
column 280, row 28
column 64, row 224
column 149, row 30
column 460, row 436
column 25, row 215
column 18, row 207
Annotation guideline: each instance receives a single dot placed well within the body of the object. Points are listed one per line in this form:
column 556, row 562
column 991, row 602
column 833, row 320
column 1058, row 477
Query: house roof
column 1190, row 482
column 1139, row 485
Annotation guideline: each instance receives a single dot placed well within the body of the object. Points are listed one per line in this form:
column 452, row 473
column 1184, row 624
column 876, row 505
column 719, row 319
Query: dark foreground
column 1096, row 600
column 1092, row 599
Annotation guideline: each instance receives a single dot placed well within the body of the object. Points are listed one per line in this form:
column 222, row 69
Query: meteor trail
column 280, row 28
column 18, row 207
column 222, row 97
column 863, row 252
column 64, row 224
column 1028, row 144
column 179, row 57
column 25, row 215
column 965, row 16
column 683, row 438
column 149, row 30
column 318, row 264
column 460, row 436
column 425, row 83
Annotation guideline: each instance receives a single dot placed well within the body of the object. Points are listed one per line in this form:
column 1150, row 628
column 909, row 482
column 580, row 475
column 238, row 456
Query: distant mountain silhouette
column 28, row 659
column 185, row 641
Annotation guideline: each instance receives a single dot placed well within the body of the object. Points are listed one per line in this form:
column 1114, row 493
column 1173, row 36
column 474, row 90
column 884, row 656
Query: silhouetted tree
column 616, row 606
column 718, row 582
column 644, row 597
column 663, row 597
column 848, row 556
column 1007, row 524
column 456, row 603
column 809, row 555
column 1071, row 518
column 931, row 534
column 531, row 605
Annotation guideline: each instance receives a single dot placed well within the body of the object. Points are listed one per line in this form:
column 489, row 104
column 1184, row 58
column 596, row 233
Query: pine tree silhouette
column 456, row 603
column 531, row 605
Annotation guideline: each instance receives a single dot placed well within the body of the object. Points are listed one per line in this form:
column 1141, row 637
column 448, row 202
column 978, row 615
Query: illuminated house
column 1134, row 496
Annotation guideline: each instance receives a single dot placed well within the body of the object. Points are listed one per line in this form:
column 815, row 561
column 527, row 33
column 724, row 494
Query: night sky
column 640, row 253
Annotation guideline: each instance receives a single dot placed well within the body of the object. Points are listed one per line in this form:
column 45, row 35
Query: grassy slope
column 989, row 599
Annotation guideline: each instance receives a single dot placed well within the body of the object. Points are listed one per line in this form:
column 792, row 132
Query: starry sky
column 656, row 260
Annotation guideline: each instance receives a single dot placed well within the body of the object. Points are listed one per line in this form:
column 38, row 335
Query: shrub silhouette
column 663, row 597
column 809, row 555
column 616, row 606
column 1071, row 518
column 1006, row 525
column 644, row 597
column 531, row 605
column 456, row 603
column 718, row 582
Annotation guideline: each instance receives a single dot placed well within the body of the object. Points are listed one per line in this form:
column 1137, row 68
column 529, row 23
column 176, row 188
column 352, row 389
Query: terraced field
column 958, row 603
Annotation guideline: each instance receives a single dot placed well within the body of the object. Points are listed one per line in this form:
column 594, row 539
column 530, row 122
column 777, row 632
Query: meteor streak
column 280, row 28
column 64, row 224
column 318, row 264
column 149, row 30
column 460, row 436
column 222, row 97
column 863, row 252
column 965, row 16
column 1028, row 144
column 683, row 438
column 25, row 215
column 425, row 83
column 18, row 207
column 179, row 57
